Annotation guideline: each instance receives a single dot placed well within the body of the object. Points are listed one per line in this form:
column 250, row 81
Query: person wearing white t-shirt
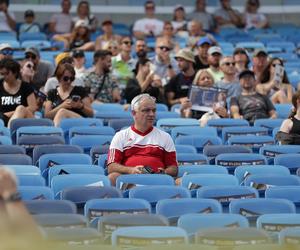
column 254, row 19
column 148, row 26
column 7, row 18
column 61, row 23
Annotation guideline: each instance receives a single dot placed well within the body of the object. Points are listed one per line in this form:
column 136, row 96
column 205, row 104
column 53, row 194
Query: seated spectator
column 53, row 83
column 42, row 69
column 102, row 87
column 113, row 47
column 254, row 19
column 229, row 81
column 123, row 64
column 200, row 14
column 107, row 36
column 83, row 14
column 149, row 25
column 179, row 21
column 274, row 84
column 196, row 32
column 201, row 58
column 7, row 18
column 29, row 26
column 145, row 81
column 214, row 56
column 226, row 16
column 141, row 49
column 259, row 62
column 168, row 34
column 251, row 105
column 289, row 132
column 17, row 96
column 165, row 66
column 142, row 144
column 6, row 51
column 177, row 88
column 78, row 39
column 241, row 59
column 79, row 62
column 67, row 101
column 61, row 23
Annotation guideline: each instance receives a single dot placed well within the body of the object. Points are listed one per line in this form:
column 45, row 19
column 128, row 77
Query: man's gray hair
column 135, row 103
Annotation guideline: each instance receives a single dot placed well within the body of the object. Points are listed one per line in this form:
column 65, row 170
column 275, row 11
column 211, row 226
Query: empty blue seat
column 283, row 110
column 201, row 169
column 107, row 107
column 168, row 123
column 270, row 151
column 268, row 123
column 60, row 220
column 50, row 206
column 88, row 130
column 106, row 116
column 226, row 122
column 88, row 141
column 252, row 141
column 34, row 193
column 97, row 151
column 185, row 149
column 119, row 124
column 15, row 159
column 30, row 180
column 290, row 236
column 24, row 169
column 193, row 130
column 191, row 159
column 288, row 160
column 166, row 115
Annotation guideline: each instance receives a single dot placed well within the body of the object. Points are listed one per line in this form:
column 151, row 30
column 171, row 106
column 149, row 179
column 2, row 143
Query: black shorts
column 4, row 118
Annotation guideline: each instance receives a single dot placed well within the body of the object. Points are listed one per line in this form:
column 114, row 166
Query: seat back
column 15, row 159
column 201, row 169
column 191, row 159
column 288, row 160
column 34, row 193
column 50, row 206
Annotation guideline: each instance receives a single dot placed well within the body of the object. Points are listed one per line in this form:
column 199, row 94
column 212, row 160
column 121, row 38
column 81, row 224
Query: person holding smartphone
column 274, row 82
column 67, row 101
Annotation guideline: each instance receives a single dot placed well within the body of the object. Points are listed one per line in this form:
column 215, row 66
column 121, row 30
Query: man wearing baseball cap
column 201, row 59
column 214, row 56
column 251, row 105
column 259, row 61
column 177, row 88
column 6, row 51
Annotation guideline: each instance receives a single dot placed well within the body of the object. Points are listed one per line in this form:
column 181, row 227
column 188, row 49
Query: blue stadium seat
column 34, row 193
column 87, row 130
column 96, row 151
column 166, row 115
column 107, row 116
column 119, row 124
column 4, row 131
column 193, row 130
column 31, row 180
column 50, row 206
column 201, row 169
column 5, row 140
column 26, row 36
column 250, row 46
column 185, row 149
column 191, row 159
column 39, row 44
column 288, row 160
column 24, row 169
column 60, row 220
column 290, row 236
column 226, row 122
column 148, row 235
column 107, row 107
column 15, row 159
column 168, row 123
column 283, row 110
column 270, row 151
column 268, row 123
column 61, row 182
column 12, row 149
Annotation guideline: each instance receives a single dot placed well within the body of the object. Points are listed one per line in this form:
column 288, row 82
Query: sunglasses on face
column 112, row 47
column 127, row 42
column 229, row 63
column 274, row 64
column 164, row 48
column 7, row 52
column 29, row 56
column 67, row 78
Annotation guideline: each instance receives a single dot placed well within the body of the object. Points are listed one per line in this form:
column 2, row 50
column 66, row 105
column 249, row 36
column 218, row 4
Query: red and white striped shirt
column 154, row 148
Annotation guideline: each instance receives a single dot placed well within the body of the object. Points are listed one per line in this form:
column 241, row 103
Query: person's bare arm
column 235, row 18
column 171, row 170
column 121, row 169
column 264, row 88
column 286, row 126
column 235, row 112
column 51, row 112
column 273, row 114
column 171, row 100
column 139, row 34
column 10, row 21
column 86, row 107
column 32, row 104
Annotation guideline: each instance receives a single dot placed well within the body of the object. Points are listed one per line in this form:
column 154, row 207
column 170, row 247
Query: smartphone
column 279, row 70
column 75, row 98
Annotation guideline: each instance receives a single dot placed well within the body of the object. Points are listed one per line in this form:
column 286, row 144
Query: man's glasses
column 164, row 48
column 229, row 63
column 30, row 56
column 127, row 42
column 67, row 78
column 7, row 52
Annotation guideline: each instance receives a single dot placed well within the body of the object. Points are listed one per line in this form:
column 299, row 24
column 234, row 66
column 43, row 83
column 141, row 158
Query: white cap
column 5, row 46
column 215, row 49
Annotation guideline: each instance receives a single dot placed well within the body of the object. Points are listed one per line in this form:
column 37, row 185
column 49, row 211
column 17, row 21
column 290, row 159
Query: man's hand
column 136, row 169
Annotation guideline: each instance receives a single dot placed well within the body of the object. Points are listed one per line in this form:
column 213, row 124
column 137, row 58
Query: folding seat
column 242, row 172
column 96, row 151
column 88, row 141
column 286, row 46
column 285, row 192
column 168, row 123
column 161, row 107
column 107, row 224
column 102, row 162
column 201, row 169
column 283, row 110
column 15, row 159
column 24, row 122
column 194, row 222
column 166, row 115
column 211, row 151
column 225, row 194
column 106, row 116
column 31, row 180
column 191, row 159
column 40, row 150
column 226, row 122
column 288, row 160
column 176, row 108
column 251, row 46
column 4, row 131
column 268, row 123
column 290, row 236
column 153, row 194
column 74, row 169
column 87, row 130
column 233, row 160
column 185, row 149
column 252, row 141
column 60, row 220
column 227, row 132
column 5, row 140
column 264, row 181
column 39, row 44
column 61, row 182
column 76, row 235
column 270, row 151
column 195, row 181
column 12, row 149
column 24, row 169
column 50, row 206
column 119, row 124
column 199, row 141
column 148, row 235
column 253, row 208
column 193, row 130
column 47, row 161
column 172, row 209
column 96, row 208
column 34, row 193
column 32, row 36
column 107, row 107
column 233, row 237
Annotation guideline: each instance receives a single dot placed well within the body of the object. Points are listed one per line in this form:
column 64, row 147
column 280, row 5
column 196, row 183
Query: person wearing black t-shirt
column 201, row 59
column 178, row 87
column 67, row 101
column 17, row 97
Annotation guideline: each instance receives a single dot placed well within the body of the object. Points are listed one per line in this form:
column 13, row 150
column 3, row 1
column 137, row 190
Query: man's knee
column 113, row 177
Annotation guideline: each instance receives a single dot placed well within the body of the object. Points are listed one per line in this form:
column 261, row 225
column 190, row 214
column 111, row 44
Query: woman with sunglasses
column 275, row 83
column 67, row 101
column 17, row 97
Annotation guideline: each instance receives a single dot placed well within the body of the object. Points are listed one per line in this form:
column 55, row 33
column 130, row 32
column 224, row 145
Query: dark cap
column 28, row 13
column 240, row 51
column 107, row 21
column 260, row 52
column 77, row 53
column 246, row 72
column 33, row 51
